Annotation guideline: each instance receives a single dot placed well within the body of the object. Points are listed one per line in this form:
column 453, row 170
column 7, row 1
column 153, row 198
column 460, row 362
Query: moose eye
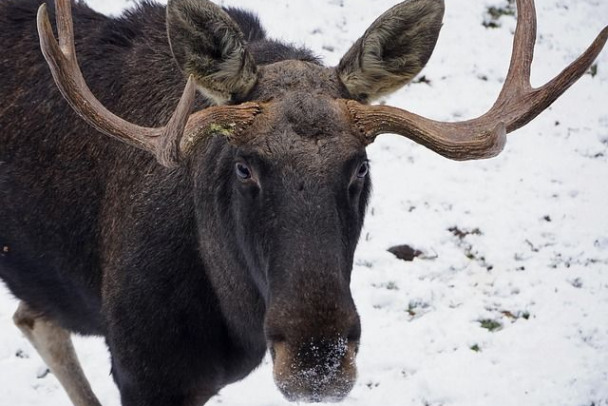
column 363, row 170
column 242, row 171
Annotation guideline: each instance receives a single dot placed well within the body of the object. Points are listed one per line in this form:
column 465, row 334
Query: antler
column 168, row 144
column 485, row 136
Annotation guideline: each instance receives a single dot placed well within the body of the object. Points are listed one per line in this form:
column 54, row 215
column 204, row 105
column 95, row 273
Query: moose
column 201, row 202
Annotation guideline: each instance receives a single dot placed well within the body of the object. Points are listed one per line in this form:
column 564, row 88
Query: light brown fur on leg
column 54, row 345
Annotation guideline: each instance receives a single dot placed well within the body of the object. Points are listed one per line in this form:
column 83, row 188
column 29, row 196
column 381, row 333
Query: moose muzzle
column 314, row 351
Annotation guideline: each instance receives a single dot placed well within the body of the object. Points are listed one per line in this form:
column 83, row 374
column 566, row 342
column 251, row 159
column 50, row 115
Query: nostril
column 276, row 343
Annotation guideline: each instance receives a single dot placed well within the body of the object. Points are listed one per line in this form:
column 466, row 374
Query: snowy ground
column 511, row 306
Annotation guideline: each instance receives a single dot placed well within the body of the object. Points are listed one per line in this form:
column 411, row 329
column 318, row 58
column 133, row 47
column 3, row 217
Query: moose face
column 299, row 222
column 294, row 189
column 300, row 187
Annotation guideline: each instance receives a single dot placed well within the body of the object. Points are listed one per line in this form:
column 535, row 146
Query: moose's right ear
column 209, row 45
column 393, row 49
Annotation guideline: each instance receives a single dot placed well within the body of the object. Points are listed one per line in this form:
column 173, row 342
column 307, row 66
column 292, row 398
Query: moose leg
column 54, row 345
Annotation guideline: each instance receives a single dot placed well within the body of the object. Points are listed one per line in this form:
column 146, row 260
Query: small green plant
column 475, row 348
column 391, row 285
column 415, row 308
column 411, row 309
column 490, row 325
column 593, row 70
column 494, row 13
column 497, row 12
column 462, row 233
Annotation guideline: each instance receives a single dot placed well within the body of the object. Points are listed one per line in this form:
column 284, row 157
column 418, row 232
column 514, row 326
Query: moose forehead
column 303, row 117
column 286, row 77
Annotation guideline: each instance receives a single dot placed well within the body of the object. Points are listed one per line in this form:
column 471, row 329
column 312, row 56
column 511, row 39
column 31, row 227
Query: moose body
column 193, row 263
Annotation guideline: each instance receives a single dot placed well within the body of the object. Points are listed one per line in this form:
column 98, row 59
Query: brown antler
column 485, row 136
column 169, row 143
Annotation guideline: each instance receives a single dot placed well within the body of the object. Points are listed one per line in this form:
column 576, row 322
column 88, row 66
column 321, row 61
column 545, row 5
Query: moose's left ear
column 209, row 45
column 393, row 50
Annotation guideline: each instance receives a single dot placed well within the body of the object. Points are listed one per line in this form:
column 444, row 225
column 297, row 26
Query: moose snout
column 317, row 371
column 314, row 360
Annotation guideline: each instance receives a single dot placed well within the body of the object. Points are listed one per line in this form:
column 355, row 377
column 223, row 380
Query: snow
column 531, row 262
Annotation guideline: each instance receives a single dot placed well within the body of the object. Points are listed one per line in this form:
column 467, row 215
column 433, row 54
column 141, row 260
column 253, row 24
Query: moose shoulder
column 201, row 203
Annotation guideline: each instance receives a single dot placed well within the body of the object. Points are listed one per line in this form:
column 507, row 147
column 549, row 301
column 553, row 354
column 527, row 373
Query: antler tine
column 165, row 143
column 65, row 29
column 517, row 104
column 518, row 76
column 558, row 85
column 517, row 93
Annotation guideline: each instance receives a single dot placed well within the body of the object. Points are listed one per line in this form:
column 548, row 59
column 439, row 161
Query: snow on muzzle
column 317, row 371
column 314, row 357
